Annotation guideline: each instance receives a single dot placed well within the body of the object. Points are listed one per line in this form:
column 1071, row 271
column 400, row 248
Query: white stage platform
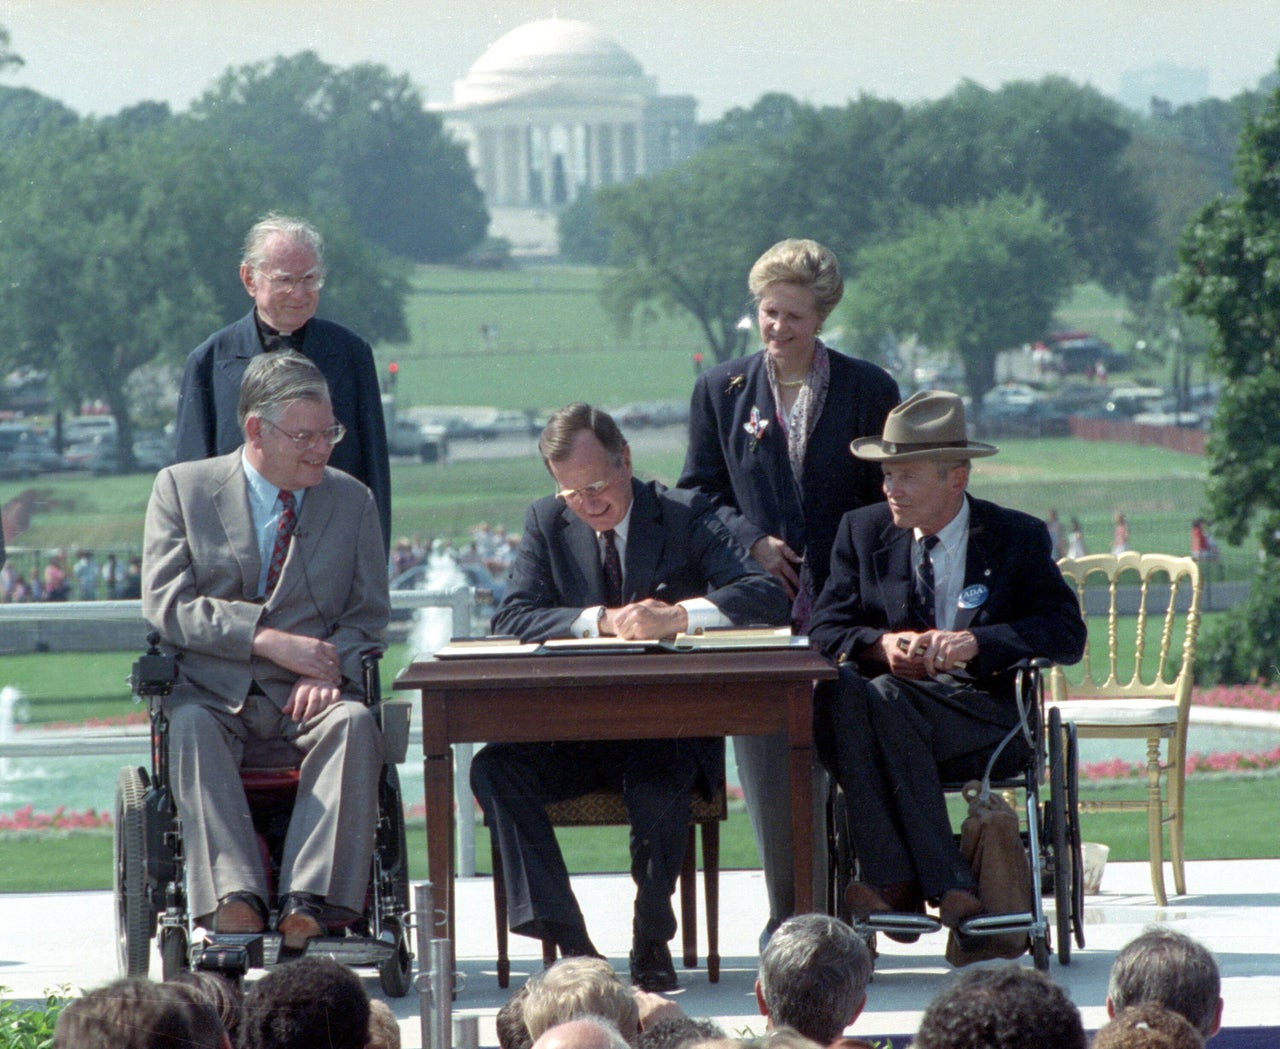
column 51, row 940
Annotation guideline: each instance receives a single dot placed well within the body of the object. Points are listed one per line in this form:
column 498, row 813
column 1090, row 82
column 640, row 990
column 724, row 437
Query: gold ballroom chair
column 1142, row 688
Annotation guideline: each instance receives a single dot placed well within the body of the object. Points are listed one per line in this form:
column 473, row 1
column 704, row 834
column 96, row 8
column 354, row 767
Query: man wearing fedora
column 933, row 596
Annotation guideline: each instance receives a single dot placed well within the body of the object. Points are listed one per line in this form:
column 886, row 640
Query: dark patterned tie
column 922, row 592
column 284, row 533
column 612, row 572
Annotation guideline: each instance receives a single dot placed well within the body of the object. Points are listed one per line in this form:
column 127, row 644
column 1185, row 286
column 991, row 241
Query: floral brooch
column 755, row 426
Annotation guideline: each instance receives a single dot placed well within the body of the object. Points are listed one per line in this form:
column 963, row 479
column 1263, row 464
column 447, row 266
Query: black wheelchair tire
column 1064, row 856
column 135, row 916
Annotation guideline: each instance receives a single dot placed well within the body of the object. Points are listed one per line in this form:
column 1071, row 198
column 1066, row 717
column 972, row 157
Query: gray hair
column 296, row 230
column 1171, row 969
column 813, row 975
column 565, row 423
column 805, row 263
column 275, row 380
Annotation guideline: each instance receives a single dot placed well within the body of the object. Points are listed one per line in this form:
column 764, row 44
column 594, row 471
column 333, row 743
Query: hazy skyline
column 98, row 56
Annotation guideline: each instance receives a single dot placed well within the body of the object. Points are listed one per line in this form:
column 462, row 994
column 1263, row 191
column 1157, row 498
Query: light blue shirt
column 265, row 507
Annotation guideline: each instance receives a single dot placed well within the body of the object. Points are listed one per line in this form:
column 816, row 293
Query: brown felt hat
column 928, row 425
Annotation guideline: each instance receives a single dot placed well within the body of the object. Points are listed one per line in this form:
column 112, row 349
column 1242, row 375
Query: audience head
column 512, row 1033
column 577, row 987
column 679, row 1032
column 813, row 977
column 1005, row 1007
column 218, row 991
column 135, row 1013
column 384, row 1028
column 308, row 1003
column 1148, row 1026
column 585, row 1032
column 1171, row 969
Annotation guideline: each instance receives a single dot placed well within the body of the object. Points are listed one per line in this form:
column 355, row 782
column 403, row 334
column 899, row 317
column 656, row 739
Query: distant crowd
column 84, row 580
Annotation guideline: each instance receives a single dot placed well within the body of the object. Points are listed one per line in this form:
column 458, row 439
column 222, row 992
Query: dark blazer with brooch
column 210, row 396
column 1028, row 609
column 751, row 484
column 676, row 549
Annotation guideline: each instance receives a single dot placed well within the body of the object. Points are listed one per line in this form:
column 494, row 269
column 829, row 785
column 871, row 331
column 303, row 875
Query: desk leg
column 437, row 778
column 800, row 752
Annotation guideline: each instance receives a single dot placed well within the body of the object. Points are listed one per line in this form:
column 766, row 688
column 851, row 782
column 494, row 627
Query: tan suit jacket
column 200, row 579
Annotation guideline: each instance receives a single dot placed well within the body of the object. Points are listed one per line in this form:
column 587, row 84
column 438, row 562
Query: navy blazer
column 676, row 549
column 1028, row 609
column 752, row 486
column 210, row 396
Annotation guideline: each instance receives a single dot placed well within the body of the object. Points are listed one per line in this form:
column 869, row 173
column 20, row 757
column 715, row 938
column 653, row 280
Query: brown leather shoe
column 300, row 914
column 865, row 900
column 899, row 897
column 958, row 905
column 240, row 912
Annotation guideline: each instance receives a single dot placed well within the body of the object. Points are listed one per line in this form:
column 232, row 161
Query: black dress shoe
column 651, row 966
column 301, row 919
column 239, row 912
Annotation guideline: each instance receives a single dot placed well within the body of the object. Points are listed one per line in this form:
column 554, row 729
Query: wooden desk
column 602, row 696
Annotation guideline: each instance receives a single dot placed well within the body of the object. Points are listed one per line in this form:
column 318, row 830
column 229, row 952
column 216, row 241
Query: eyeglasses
column 307, row 438
column 573, row 495
column 285, row 282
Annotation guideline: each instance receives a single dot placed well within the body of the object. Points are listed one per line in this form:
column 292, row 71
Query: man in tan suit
column 265, row 570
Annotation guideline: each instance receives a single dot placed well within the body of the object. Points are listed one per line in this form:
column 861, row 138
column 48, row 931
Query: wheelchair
column 149, row 880
column 1050, row 832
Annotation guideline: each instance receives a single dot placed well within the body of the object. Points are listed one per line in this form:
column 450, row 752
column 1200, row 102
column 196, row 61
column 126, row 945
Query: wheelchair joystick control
column 154, row 672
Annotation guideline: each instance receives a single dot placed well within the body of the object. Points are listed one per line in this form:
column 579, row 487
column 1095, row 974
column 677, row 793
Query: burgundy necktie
column 612, row 572
column 284, row 533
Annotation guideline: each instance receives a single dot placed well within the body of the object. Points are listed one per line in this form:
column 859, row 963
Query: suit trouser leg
column 220, row 849
column 513, row 783
column 843, row 737
column 923, row 732
column 765, row 775
column 656, row 778
column 329, row 848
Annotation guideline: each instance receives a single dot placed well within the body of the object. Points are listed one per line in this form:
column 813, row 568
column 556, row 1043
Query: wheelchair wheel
column 173, row 953
column 396, row 973
column 842, row 859
column 1074, row 837
column 135, row 916
column 1066, row 859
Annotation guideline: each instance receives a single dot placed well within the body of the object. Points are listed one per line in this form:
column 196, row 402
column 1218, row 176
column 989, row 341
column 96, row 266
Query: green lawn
column 1227, row 818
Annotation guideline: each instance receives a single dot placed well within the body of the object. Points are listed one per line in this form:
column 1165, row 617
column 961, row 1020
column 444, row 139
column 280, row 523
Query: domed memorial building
column 555, row 109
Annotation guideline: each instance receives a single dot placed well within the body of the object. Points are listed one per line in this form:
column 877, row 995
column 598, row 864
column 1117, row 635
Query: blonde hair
column 804, row 263
column 578, row 987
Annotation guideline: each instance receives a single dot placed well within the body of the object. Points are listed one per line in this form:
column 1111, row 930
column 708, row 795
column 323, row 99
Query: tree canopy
column 362, row 139
column 1230, row 276
column 976, row 277
column 685, row 240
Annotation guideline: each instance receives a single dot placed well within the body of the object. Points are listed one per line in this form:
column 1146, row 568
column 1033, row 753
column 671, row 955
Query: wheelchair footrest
column 903, row 924
column 997, row 924
column 351, row 950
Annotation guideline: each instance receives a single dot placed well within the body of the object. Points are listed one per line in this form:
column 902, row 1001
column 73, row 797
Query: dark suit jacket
column 200, row 579
column 755, row 492
column 676, row 549
column 1028, row 611
column 210, row 394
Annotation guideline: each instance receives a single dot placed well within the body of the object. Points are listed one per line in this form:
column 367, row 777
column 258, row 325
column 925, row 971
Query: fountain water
column 433, row 627
column 10, row 697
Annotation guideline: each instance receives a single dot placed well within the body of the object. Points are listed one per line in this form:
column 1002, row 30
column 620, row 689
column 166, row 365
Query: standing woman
column 769, row 442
